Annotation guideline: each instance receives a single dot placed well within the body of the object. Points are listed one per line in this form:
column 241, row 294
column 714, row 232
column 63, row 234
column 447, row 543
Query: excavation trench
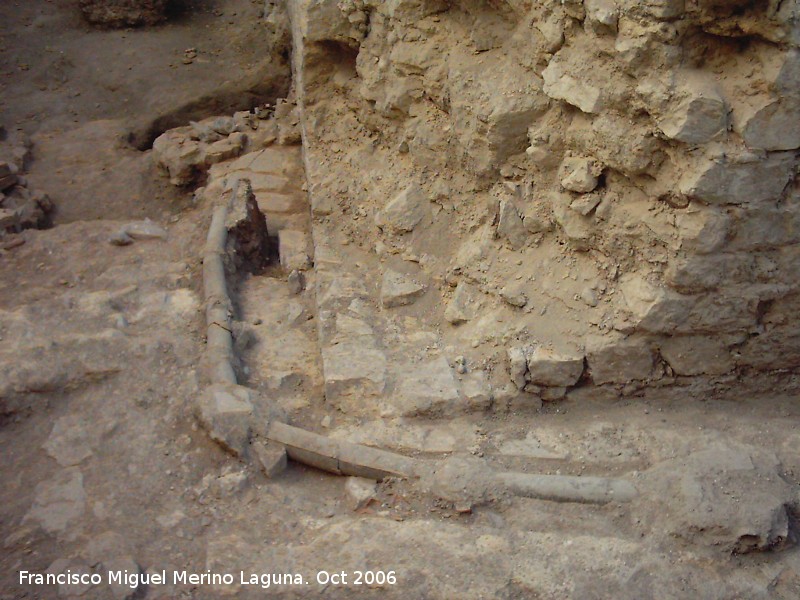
column 237, row 212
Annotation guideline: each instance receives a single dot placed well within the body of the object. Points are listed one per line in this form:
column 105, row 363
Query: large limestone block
column 740, row 179
column 554, row 369
column 426, row 388
column 703, row 229
column 492, row 107
column 353, row 367
column 405, row 211
column 293, row 248
column 322, row 20
column 659, row 9
column 476, row 391
column 179, row 155
column 604, row 12
column 696, row 355
column 616, row 359
column 412, row 10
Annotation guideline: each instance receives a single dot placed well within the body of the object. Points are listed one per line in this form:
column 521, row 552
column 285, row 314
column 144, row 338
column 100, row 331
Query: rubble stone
column 510, row 225
column 462, row 306
column 429, row 388
column 738, row 180
column 579, row 174
column 121, row 590
column 405, row 211
column 476, row 390
column 514, row 296
column 698, row 498
column 360, row 490
column 561, row 85
column 772, row 125
column 696, row 114
column 353, row 367
column 399, row 290
column 59, row 502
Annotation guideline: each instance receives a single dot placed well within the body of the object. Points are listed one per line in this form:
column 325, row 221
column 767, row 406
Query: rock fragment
column 514, row 296
column 360, row 490
column 271, row 458
column 462, row 306
column 580, row 174
column 405, row 211
column 399, row 290
column 225, row 411
column 293, row 248
column 296, row 281
column 561, row 85
column 697, row 112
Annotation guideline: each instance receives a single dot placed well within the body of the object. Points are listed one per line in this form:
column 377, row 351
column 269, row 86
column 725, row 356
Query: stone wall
column 613, row 181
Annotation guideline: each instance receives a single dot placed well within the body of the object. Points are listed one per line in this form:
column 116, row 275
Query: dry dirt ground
column 103, row 465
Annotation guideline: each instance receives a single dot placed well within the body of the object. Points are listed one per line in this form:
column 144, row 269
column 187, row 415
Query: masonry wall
column 612, row 182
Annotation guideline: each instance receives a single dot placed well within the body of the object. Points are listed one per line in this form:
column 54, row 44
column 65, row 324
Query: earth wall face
column 607, row 181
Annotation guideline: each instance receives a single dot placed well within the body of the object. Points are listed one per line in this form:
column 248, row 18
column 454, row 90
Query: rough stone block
column 462, row 306
column 577, row 228
column 293, row 248
column 694, row 355
column 180, row 156
column 476, row 390
column 399, row 290
column 554, row 369
column 561, row 85
column 771, row 125
column 426, row 388
column 405, row 211
column 518, row 364
column 353, row 367
column 697, row 112
column 510, row 225
column 580, row 174
column 739, row 180
column 615, row 359
column 604, row 12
